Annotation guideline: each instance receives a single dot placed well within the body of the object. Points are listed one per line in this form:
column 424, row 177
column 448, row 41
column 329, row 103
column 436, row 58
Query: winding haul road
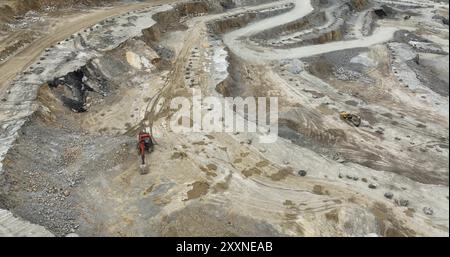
column 236, row 40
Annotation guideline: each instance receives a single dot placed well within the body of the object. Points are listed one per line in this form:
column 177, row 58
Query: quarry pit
column 79, row 81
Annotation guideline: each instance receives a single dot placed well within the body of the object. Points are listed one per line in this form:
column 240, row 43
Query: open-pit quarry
column 79, row 81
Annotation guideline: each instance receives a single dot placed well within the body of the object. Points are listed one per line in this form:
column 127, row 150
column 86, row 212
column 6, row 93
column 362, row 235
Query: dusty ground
column 69, row 157
column 48, row 30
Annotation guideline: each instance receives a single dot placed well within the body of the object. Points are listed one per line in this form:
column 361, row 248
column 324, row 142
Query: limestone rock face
column 13, row 226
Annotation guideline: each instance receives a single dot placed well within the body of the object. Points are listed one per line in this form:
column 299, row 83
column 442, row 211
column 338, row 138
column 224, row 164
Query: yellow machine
column 352, row 119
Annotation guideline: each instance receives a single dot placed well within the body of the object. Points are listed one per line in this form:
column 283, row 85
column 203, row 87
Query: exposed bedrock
column 233, row 22
column 309, row 21
column 319, row 27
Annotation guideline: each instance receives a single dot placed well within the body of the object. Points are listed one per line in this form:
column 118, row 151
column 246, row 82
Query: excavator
column 145, row 145
column 352, row 119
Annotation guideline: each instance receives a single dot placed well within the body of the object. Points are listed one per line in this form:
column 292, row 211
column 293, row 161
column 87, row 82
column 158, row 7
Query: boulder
column 389, row 195
column 428, row 211
column 373, row 186
column 302, row 173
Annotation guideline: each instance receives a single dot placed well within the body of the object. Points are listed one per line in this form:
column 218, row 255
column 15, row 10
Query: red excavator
column 145, row 145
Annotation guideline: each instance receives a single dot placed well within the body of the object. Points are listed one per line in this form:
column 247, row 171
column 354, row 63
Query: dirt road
column 68, row 26
column 302, row 8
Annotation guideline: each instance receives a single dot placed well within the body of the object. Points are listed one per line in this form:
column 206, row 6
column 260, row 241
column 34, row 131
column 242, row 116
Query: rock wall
column 307, row 22
column 233, row 22
column 13, row 226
